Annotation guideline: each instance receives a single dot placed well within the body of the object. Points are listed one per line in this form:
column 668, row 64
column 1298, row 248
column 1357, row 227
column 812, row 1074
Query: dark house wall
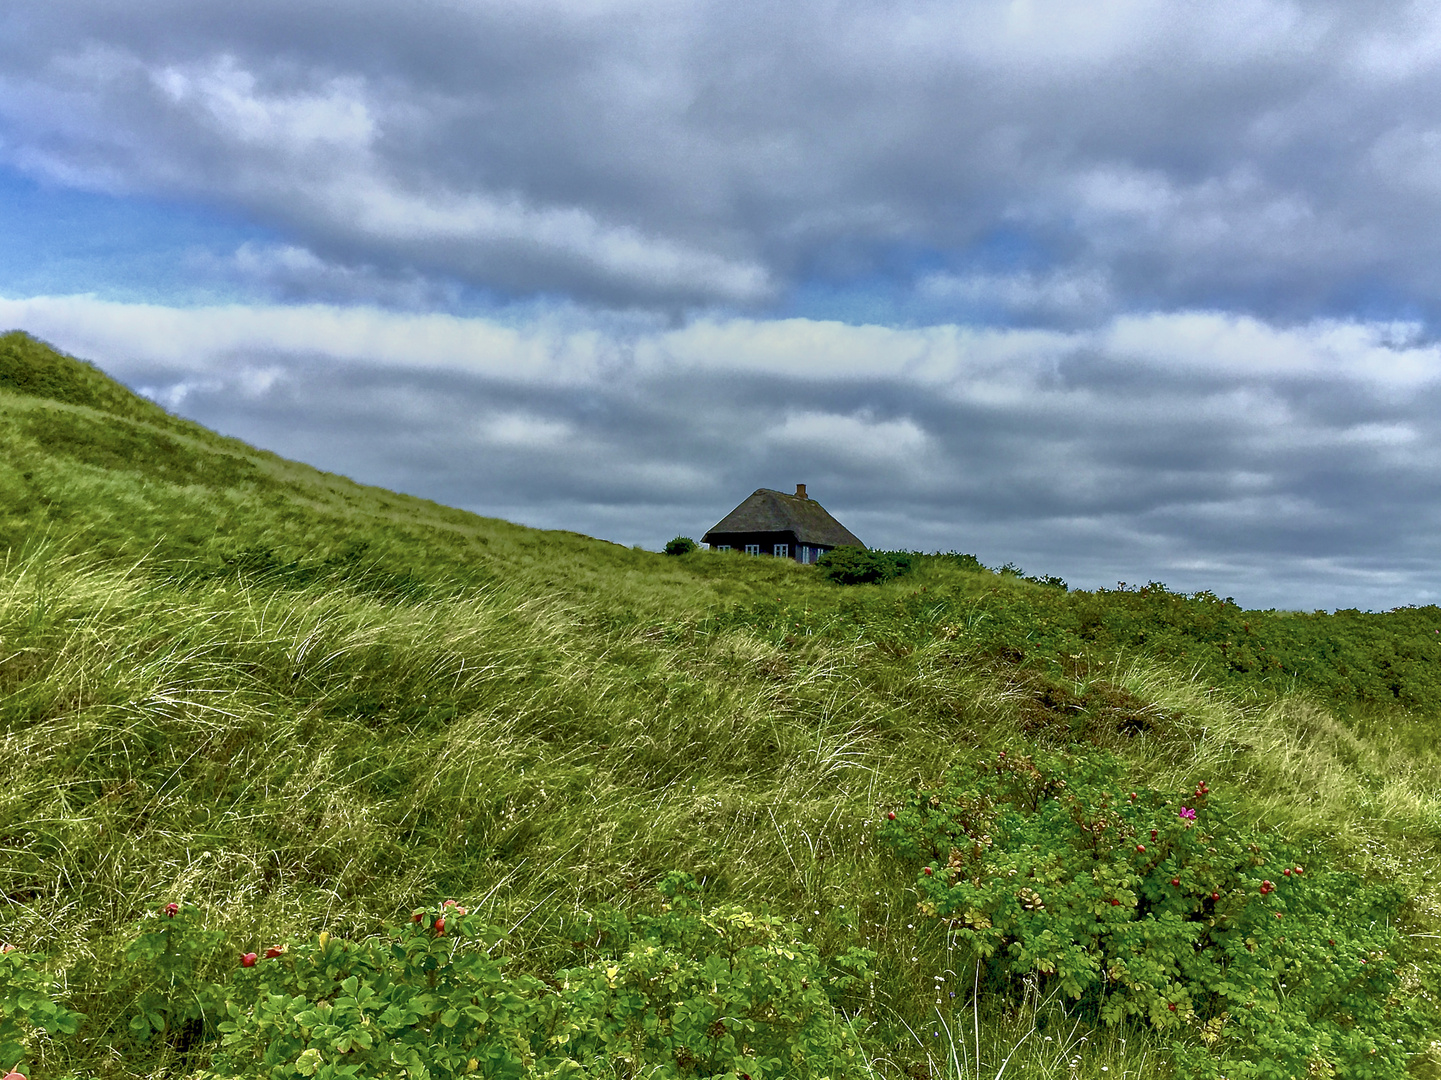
column 767, row 541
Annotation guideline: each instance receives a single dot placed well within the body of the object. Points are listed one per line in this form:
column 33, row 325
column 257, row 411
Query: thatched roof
column 774, row 511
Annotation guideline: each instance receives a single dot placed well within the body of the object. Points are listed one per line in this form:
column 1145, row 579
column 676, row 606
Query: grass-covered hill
column 303, row 705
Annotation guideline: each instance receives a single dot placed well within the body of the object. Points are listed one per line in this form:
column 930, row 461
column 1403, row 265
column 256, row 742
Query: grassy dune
column 306, row 704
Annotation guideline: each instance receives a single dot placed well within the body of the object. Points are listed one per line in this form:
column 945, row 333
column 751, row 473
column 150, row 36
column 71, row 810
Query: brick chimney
column 801, row 492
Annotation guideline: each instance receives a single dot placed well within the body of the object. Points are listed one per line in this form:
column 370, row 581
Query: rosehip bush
column 28, row 1009
column 1161, row 907
column 417, row 1000
column 165, row 976
column 721, row 992
column 689, row 992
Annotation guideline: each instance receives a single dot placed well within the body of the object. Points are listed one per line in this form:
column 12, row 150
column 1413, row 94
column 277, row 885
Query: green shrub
column 681, row 545
column 1049, row 580
column 165, row 978
column 28, row 1007
column 965, row 562
column 724, row 992
column 859, row 566
column 689, row 992
column 1159, row 908
column 426, row 999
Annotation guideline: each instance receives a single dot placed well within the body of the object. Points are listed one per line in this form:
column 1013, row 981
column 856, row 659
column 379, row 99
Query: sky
column 1114, row 291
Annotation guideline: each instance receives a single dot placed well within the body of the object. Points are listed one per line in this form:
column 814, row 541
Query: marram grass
column 305, row 759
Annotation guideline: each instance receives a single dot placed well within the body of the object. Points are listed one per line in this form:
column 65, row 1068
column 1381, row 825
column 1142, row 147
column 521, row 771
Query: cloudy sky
column 1112, row 290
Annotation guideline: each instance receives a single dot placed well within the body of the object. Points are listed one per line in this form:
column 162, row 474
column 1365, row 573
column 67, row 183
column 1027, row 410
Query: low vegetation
column 261, row 723
column 1157, row 909
column 860, row 566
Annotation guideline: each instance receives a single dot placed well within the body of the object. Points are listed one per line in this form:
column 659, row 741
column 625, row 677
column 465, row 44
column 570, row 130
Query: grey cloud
column 1264, row 156
column 287, row 273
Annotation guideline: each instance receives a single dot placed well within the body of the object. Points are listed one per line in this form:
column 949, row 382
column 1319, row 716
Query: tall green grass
column 299, row 759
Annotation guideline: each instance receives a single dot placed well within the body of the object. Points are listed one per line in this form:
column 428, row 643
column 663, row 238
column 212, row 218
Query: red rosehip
column 1003, row 753
column 1115, row 902
column 417, row 916
column 1286, row 873
column 13, row 1075
column 1133, row 796
column 1172, row 1006
column 1299, row 871
column 172, row 910
column 274, row 951
column 1333, row 941
column 929, row 871
column 440, row 925
column 1176, row 882
column 1153, row 834
column 1215, row 896
column 891, row 815
column 1141, row 848
column 248, row 960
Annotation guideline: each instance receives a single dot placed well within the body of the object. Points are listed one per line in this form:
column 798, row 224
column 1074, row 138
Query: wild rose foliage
column 418, row 1001
column 714, row 992
column 689, row 992
column 29, row 1010
column 164, row 976
column 1041, row 866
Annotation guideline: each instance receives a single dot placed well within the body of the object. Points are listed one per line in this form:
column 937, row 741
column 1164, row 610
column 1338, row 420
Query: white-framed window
column 753, row 549
column 782, row 551
column 722, row 547
column 803, row 553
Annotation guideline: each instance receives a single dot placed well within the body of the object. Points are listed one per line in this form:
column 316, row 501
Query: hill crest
column 33, row 368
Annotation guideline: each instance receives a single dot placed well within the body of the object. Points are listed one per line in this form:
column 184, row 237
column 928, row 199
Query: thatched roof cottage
column 787, row 526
